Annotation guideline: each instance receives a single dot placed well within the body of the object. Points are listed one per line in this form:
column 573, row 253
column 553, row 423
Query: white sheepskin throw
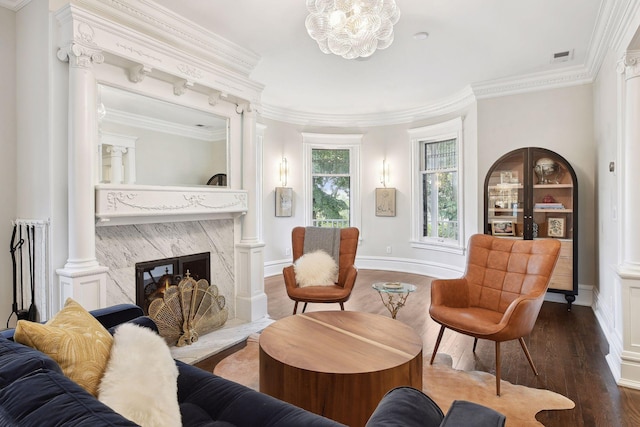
column 316, row 269
column 141, row 378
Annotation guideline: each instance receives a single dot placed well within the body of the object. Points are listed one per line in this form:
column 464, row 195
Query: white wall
column 560, row 120
column 607, row 203
column 377, row 233
column 8, row 158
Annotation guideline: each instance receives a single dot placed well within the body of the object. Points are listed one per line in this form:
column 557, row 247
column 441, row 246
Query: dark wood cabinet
column 532, row 193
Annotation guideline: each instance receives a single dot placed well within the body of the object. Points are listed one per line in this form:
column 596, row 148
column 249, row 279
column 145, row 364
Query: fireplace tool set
column 23, row 273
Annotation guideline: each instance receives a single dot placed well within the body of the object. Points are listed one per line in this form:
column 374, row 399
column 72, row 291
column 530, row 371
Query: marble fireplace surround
column 120, row 247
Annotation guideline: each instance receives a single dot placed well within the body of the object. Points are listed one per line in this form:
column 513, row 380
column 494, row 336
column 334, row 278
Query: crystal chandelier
column 352, row 28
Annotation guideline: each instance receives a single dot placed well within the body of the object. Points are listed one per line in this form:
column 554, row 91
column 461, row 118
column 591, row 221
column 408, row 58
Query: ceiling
column 487, row 45
column 470, row 41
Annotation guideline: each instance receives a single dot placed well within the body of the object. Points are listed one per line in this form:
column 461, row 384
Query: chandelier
column 352, row 28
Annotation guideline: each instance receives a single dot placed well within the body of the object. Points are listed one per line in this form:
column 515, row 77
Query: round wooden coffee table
column 338, row 364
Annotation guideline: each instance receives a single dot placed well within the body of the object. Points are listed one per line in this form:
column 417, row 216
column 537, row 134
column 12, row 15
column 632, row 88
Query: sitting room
column 446, row 166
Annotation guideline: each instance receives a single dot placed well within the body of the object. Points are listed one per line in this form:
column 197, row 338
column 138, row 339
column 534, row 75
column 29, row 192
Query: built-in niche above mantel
column 137, row 204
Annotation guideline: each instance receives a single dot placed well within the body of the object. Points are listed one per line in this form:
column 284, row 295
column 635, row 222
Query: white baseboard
column 427, row 268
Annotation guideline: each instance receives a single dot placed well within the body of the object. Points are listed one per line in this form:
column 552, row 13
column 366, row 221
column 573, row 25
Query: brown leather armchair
column 500, row 295
column 338, row 293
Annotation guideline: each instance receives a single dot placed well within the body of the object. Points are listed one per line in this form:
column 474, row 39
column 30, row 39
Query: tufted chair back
column 501, row 270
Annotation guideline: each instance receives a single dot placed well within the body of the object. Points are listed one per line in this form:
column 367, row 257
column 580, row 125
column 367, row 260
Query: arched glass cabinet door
column 532, row 193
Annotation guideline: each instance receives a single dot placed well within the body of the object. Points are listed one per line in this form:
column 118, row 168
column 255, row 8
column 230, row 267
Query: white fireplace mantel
column 133, row 204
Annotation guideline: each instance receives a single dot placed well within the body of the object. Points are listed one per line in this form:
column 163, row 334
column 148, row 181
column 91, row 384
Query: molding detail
column 161, row 23
column 190, row 71
column 180, row 87
column 629, row 64
column 137, row 73
column 129, row 201
column 80, row 56
column 139, row 52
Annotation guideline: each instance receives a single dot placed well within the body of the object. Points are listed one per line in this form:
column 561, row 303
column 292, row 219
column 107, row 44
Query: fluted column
column 251, row 300
column 627, row 362
column 82, row 277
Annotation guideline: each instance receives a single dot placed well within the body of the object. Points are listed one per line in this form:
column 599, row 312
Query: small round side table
column 397, row 294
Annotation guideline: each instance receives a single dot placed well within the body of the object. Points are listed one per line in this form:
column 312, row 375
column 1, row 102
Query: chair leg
column 475, row 343
column 295, row 307
column 435, row 349
column 498, row 368
column 342, row 306
column 526, row 353
column 304, row 307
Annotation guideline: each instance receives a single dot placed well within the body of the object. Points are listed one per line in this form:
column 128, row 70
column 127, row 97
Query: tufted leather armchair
column 500, row 295
column 338, row 293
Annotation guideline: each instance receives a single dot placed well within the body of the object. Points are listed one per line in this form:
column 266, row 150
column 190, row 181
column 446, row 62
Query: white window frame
column 451, row 129
column 351, row 142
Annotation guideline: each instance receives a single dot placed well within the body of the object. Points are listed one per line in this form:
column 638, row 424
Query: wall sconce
column 384, row 176
column 284, row 172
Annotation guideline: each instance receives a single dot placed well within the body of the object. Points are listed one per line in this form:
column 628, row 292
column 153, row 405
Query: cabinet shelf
column 554, row 210
column 548, row 186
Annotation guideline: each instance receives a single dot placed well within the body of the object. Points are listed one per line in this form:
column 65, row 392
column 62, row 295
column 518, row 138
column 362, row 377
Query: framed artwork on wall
column 385, row 202
column 284, row 201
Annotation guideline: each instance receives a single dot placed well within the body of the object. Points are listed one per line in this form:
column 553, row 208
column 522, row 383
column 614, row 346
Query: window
column 437, row 192
column 332, row 180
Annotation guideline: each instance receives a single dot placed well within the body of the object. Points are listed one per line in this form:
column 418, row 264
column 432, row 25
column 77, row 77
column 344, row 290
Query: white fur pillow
column 316, row 269
column 141, row 378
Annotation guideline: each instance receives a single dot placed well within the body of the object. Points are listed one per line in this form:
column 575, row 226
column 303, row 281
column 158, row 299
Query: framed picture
column 555, row 227
column 284, row 201
column 385, row 202
column 503, row 227
column 509, row 177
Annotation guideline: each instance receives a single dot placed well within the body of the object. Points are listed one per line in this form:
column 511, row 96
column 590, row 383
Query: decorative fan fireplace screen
column 176, row 294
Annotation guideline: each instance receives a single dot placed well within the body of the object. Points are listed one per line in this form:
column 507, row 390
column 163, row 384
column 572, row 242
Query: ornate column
column 116, row 153
column 629, row 270
column 82, row 277
column 251, row 300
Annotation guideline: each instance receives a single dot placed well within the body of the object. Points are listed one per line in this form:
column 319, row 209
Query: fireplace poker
column 13, row 247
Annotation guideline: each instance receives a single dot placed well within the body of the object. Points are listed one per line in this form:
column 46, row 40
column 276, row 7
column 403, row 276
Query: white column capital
column 629, row 64
column 80, row 56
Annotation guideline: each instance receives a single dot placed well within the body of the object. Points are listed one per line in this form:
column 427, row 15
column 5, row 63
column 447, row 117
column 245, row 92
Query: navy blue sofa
column 35, row 392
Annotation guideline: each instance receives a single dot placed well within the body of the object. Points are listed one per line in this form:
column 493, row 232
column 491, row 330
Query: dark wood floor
column 568, row 349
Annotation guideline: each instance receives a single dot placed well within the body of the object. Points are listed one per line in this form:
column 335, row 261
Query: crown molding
column 453, row 103
column 571, row 76
column 14, row 5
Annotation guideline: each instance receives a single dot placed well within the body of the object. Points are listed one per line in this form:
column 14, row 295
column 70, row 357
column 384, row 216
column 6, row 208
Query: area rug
column 442, row 383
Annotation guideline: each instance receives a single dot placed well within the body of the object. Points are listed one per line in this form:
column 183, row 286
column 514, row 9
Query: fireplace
column 153, row 277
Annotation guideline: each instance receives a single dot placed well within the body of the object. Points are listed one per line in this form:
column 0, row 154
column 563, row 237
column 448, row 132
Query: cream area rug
column 442, row 383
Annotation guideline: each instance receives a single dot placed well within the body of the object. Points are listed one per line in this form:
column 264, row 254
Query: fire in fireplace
column 153, row 277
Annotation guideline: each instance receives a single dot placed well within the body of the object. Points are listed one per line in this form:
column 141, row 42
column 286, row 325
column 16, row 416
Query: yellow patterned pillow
column 75, row 340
